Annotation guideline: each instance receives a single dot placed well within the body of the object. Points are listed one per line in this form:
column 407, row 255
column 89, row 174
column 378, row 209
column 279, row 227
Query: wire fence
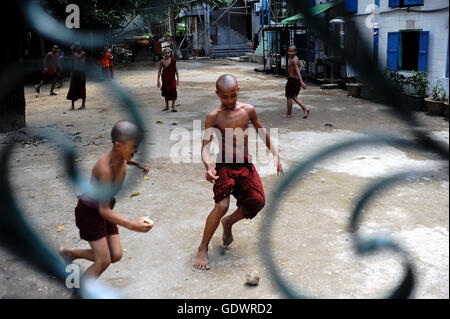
column 21, row 239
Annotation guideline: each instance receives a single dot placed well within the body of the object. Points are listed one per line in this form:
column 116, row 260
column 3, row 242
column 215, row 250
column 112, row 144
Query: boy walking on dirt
column 169, row 85
column 294, row 83
column 234, row 173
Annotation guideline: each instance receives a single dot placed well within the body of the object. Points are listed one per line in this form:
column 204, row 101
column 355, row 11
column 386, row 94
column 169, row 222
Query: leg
column 213, row 220
column 305, row 109
column 38, row 87
column 102, row 257
column 71, row 255
column 289, row 107
column 167, row 105
column 73, row 105
column 228, row 222
column 53, row 87
column 83, row 104
column 115, row 247
column 173, row 106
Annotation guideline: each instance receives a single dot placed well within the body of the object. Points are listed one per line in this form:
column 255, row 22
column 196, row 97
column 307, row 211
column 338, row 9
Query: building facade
column 406, row 35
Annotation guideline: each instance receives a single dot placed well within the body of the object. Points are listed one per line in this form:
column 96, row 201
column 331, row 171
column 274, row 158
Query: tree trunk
column 12, row 97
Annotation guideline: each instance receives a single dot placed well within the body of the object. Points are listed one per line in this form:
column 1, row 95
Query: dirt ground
column 310, row 239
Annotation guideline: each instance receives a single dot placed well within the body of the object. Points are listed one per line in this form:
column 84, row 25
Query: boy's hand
column 303, row 85
column 141, row 226
column 178, row 82
column 278, row 164
column 211, row 176
column 145, row 168
column 158, row 84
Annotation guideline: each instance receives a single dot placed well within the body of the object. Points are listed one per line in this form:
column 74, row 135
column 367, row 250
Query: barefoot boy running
column 294, row 83
column 169, row 85
column 96, row 219
column 234, row 173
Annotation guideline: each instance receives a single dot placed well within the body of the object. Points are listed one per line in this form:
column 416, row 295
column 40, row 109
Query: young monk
column 96, row 219
column 77, row 89
column 294, row 83
column 169, row 85
column 107, row 65
column 234, row 173
column 49, row 73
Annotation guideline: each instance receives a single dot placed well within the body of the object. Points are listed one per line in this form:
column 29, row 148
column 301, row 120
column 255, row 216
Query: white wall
column 395, row 19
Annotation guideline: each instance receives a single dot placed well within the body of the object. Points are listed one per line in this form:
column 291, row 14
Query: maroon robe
column 169, row 84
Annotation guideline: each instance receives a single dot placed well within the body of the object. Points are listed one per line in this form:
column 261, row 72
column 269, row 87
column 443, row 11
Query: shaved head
column 226, row 81
column 292, row 47
column 124, row 131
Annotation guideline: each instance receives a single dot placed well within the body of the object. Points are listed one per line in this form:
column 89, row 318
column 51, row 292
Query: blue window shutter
column 423, row 50
column 413, row 2
column 394, row 3
column 377, row 3
column 392, row 50
column 446, row 72
column 311, row 3
column 375, row 45
column 351, row 5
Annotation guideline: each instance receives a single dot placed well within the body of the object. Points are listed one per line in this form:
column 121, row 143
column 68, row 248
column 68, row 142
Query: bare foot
column 201, row 260
column 82, row 108
column 66, row 255
column 306, row 114
column 52, row 93
column 166, row 109
column 174, row 110
column 227, row 237
column 287, row 116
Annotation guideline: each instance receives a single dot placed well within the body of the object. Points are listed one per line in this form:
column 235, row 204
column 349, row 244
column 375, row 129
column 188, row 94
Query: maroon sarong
column 77, row 88
column 169, row 84
column 243, row 182
column 91, row 224
column 292, row 88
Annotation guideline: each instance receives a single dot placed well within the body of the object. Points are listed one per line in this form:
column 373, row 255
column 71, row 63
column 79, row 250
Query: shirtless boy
column 234, row 173
column 169, row 85
column 294, row 83
column 96, row 219
column 49, row 74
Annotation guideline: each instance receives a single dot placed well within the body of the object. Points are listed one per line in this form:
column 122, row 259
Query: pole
column 207, row 36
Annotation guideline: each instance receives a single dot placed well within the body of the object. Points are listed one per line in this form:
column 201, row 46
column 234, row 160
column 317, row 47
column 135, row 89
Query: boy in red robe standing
column 169, row 85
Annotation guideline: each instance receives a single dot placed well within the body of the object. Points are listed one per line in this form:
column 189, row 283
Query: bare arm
column 143, row 166
column 46, row 62
column 158, row 83
column 206, row 145
column 104, row 176
column 178, row 76
column 265, row 136
column 298, row 71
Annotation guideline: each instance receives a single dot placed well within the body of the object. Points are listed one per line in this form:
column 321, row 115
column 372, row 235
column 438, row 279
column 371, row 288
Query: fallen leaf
column 159, row 122
column 134, row 194
column 145, row 177
column 60, row 228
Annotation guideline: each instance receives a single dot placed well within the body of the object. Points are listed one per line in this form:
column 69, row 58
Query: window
column 408, row 50
column 405, row 3
column 446, row 71
column 351, row 5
